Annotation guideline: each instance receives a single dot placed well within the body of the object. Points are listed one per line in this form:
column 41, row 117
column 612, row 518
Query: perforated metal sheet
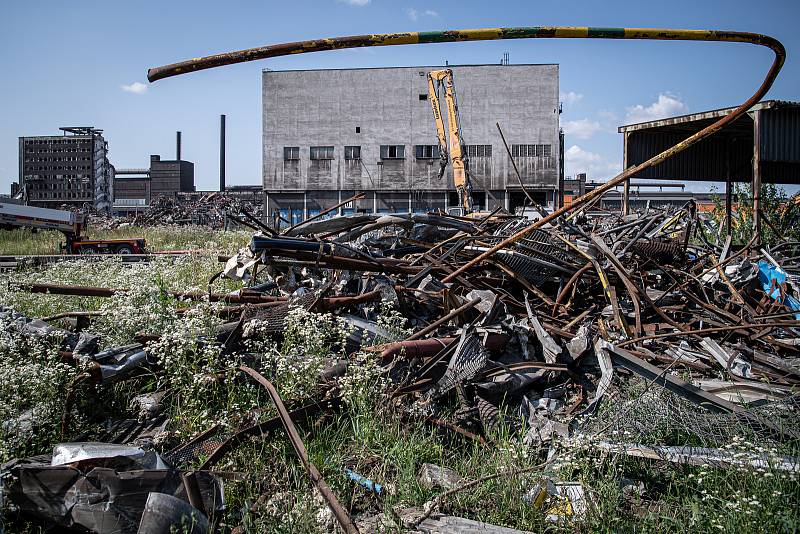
column 469, row 358
column 274, row 319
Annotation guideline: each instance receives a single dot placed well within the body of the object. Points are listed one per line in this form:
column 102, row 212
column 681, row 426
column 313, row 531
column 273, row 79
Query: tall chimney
column 178, row 146
column 222, row 152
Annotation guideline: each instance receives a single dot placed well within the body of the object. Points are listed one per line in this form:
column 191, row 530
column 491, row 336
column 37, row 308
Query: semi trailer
column 71, row 225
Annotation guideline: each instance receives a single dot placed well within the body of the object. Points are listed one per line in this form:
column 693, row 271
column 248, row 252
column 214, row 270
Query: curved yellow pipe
column 534, row 32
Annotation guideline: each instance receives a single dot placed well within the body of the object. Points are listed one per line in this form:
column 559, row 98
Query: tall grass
column 23, row 241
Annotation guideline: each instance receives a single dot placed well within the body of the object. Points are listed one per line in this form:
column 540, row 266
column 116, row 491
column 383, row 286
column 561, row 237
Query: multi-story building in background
column 330, row 133
column 71, row 169
column 135, row 189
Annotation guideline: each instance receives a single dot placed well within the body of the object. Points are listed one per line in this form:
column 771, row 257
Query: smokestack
column 222, row 152
column 178, row 146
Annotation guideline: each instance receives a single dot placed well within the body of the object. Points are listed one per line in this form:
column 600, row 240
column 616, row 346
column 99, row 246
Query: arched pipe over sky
column 492, row 34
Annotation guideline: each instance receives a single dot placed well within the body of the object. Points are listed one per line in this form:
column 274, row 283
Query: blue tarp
column 766, row 274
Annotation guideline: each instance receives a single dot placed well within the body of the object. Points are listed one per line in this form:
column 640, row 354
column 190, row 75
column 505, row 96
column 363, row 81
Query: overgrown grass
column 367, row 435
column 159, row 238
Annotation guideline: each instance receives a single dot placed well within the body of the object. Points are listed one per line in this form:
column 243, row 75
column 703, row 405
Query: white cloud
column 665, row 106
column 595, row 166
column 135, row 87
column 582, row 128
column 359, row 3
column 414, row 14
column 571, row 97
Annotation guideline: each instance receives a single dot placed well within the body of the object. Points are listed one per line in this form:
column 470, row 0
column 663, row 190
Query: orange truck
column 71, row 225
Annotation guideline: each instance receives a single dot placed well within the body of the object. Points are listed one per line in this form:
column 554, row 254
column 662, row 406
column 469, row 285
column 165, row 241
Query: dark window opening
column 291, row 153
column 321, row 152
column 426, row 151
column 530, row 151
column 358, row 129
column 393, row 151
column 479, row 151
column 423, row 97
column 352, row 152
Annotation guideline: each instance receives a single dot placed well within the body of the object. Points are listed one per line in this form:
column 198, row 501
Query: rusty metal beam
column 436, row 324
column 446, row 36
column 297, row 442
column 94, row 291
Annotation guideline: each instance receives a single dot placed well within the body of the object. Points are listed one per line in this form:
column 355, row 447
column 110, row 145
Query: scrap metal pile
column 551, row 321
column 537, row 330
column 211, row 210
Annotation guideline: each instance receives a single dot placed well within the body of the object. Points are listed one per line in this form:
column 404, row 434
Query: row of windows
column 63, row 158
column 34, row 178
column 84, row 142
column 57, row 150
column 58, row 168
column 530, row 151
column 291, row 153
column 60, row 195
column 60, row 187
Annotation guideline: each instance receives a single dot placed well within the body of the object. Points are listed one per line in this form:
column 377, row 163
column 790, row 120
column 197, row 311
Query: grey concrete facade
column 71, row 169
column 371, row 108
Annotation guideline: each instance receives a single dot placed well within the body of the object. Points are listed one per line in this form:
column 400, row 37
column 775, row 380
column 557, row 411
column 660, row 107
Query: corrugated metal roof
column 779, row 138
column 702, row 115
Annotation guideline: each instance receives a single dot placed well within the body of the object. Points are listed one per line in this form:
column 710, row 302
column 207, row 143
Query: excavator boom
column 455, row 153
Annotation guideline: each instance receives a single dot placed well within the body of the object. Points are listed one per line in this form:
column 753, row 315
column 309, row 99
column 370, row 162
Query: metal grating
column 469, row 358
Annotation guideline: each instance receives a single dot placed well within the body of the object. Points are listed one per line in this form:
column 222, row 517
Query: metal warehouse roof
column 729, row 153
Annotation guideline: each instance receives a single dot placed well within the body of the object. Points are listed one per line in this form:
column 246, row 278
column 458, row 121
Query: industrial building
column 71, row 169
column 135, row 189
column 330, row 133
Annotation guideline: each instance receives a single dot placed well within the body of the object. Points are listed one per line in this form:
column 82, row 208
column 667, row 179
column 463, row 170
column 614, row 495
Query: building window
column 352, row 152
column 423, row 97
column 530, row 151
column 358, row 129
column 291, row 153
column 426, row 151
column 393, row 151
column 321, row 152
column 479, row 151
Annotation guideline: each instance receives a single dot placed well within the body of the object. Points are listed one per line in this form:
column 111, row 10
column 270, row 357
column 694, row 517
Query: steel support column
column 757, row 173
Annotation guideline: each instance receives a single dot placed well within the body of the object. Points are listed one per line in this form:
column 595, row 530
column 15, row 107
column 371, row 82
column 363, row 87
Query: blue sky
column 84, row 62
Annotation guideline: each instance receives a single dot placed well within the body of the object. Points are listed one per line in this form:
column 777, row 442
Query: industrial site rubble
column 621, row 333
column 390, row 335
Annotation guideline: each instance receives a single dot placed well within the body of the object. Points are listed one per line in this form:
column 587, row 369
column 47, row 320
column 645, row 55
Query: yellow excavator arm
column 437, row 79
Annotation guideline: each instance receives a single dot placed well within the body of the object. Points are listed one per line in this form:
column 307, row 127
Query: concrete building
column 135, row 189
column 71, row 168
column 328, row 134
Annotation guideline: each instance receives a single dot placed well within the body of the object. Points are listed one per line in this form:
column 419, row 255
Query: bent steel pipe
column 491, row 34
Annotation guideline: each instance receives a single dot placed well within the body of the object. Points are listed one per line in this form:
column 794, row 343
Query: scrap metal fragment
column 165, row 513
column 687, row 454
column 433, row 476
